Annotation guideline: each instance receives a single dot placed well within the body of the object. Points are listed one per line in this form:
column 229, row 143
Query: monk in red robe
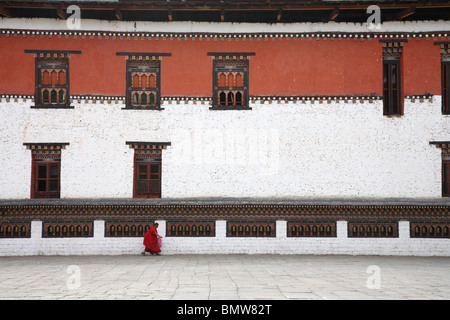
column 151, row 241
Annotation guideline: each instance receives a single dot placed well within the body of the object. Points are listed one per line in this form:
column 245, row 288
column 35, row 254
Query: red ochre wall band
column 281, row 66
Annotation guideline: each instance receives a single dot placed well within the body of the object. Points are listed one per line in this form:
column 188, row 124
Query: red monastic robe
column 151, row 241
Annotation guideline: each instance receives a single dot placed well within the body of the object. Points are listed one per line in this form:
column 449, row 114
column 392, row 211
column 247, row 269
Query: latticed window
column 143, row 80
column 52, row 78
column 143, row 84
column 52, row 74
column 230, row 88
column 230, row 81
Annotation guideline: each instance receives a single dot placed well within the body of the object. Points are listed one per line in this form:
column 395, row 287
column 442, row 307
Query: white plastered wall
column 302, row 149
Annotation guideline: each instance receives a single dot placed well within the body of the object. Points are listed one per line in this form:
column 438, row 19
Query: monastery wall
column 316, row 127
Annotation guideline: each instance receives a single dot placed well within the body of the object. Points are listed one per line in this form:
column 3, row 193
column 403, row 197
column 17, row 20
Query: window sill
column 393, row 115
column 143, row 108
column 230, row 108
column 54, row 106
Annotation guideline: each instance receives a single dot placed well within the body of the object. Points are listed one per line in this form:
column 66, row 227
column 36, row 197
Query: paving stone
column 224, row 277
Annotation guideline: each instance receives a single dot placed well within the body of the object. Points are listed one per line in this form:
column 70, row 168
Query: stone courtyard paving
column 225, row 277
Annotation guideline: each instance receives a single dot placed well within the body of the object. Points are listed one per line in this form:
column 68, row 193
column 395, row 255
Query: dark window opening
column 446, row 178
column 46, row 178
column 445, row 87
column 230, row 99
column 392, row 101
column 147, row 179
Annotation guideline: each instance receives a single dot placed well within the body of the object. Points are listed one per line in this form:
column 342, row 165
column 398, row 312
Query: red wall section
column 421, row 67
column 308, row 66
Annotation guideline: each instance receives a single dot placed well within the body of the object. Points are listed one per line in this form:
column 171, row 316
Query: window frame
column 48, row 60
column 152, row 67
column 445, row 166
column 445, row 86
column 227, row 90
column 388, row 97
column 149, row 153
column 148, row 163
column 230, row 63
column 446, row 178
column 52, row 65
column 392, row 56
column 45, row 154
column 444, row 47
column 154, row 62
column 47, row 193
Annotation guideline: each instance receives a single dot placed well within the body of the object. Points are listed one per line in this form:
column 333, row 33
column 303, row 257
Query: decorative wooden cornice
column 54, row 53
column 207, row 100
column 439, row 36
column 443, row 145
column 45, row 149
column 245, row 212
column 143, row 55
column 393, row 47
column 313, row 99
column 147, row 149
column 445, row 49
column 231, row 55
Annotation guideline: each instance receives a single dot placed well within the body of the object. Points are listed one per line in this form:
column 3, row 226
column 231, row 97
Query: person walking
column 151, row 241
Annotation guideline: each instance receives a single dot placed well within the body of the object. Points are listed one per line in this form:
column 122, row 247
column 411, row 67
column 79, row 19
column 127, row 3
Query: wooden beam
column 333, row 15
column 256, row 5
column 406, row 13
column 280, row 12
column 118, row 14
column 6, row 12
column 62, row 14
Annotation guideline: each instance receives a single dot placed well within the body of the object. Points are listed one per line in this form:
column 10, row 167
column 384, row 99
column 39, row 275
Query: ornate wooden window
column 445, row 76
column 392, row 92
column 147, row 168
column 230, row 80
column 46, row 169
column 52, row 89
column 445, row 153
column 143, row 81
